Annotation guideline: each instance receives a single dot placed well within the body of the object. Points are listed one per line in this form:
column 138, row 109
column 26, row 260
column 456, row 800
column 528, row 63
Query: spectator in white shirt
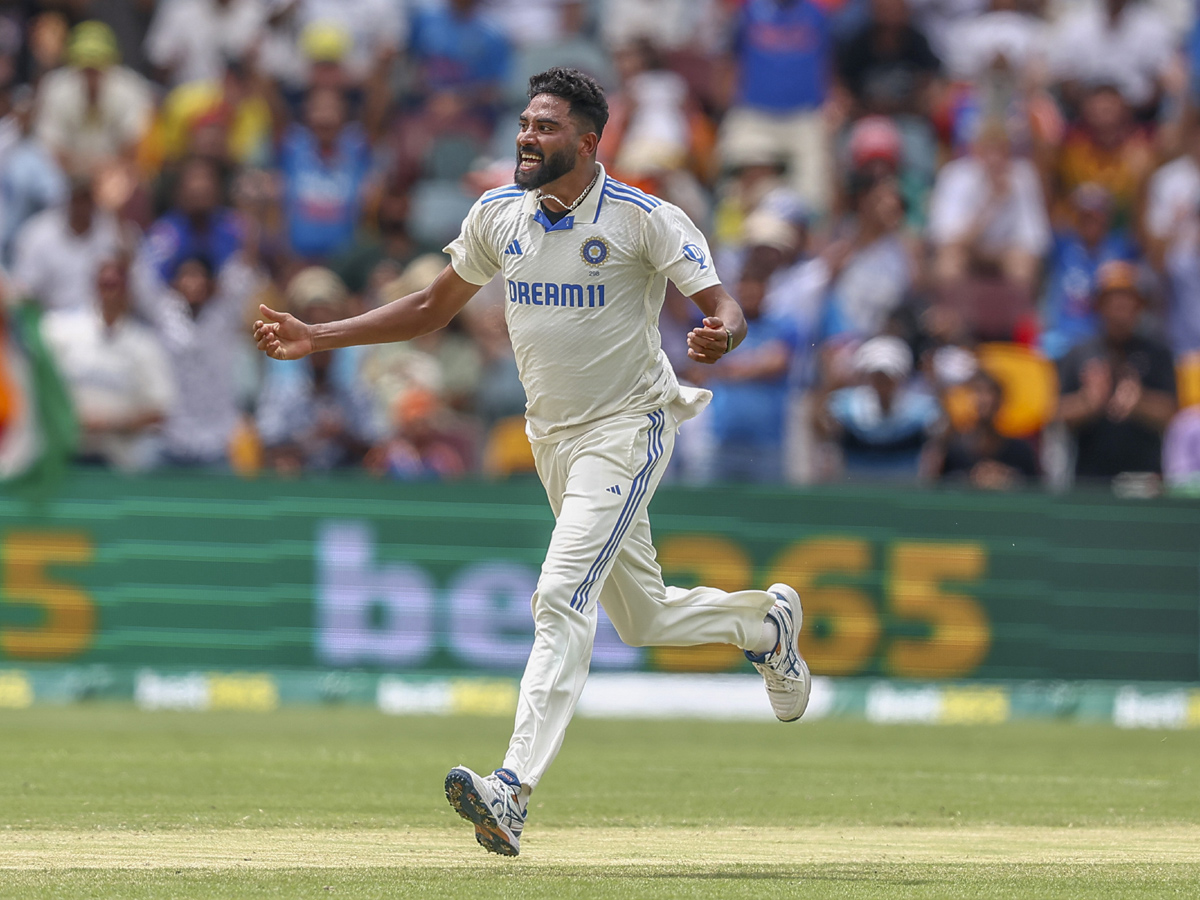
column 987, row 214
column 201, row 321
column 94, row 110
column 1128, row 43
column 1172, row 198
column 189, row 40
column 59, row 251
column 116, row 371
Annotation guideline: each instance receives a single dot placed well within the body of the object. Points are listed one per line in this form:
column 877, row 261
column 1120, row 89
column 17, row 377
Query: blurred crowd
column 966, row 233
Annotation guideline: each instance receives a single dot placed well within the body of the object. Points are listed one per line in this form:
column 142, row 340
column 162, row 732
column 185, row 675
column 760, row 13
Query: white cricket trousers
column 599, row 484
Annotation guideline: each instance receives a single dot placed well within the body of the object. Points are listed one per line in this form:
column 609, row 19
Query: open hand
column 708, row 342
column 282, row 335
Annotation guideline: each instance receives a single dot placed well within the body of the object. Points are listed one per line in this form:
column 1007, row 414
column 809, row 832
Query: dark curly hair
column 581, row 91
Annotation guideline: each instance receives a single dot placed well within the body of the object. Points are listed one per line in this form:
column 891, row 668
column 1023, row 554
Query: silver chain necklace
column 542, row 195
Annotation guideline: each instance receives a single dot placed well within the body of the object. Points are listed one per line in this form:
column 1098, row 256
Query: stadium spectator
column 1118, row 390
column 999, row 60
column 499, row 394
column 390, row 371
column 696, row 26
column 656, row 136
column 388, row 242
column 200, row 320
column 1077, row 253
column 190, row 40
column 327, row 169
column 31, row 179
column 93, row 110
column 1105, row 147
column 573, row 44
column 429, row 442
column 315, row 413
column 749, row 394
column 987, row 214
column 462, row 62
column 888, row 66
column 303, row 36
column 58, row 251
column 780, row 79
column 529, row 23
column 117, row 373
column 129, row 21
column 1172, row 197
column 238, row 104
column 876, row 147
column 1128, row 43
column 1009, row 35
column 197, row 226
column 871, row 263
column 796, row 287
column 979, row 455
column 882, row 423
column 1182, row 265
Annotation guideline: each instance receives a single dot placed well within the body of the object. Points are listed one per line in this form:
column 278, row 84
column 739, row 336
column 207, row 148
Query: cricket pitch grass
column 107, row 802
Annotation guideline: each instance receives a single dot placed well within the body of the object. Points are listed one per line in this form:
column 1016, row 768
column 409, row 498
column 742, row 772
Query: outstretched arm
column 709, row 342
column 283, row 336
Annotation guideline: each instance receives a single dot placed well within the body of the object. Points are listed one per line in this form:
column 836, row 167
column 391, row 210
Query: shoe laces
column 506, row 802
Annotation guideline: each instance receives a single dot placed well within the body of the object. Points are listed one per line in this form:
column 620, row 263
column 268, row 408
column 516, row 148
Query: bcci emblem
column 594, row 251
column 696, row 255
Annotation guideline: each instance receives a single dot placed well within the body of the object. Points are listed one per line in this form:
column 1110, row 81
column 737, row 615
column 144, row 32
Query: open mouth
column 528, row 160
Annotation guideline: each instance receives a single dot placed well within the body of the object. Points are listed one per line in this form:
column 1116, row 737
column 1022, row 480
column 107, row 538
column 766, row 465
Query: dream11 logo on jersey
column 696, row 255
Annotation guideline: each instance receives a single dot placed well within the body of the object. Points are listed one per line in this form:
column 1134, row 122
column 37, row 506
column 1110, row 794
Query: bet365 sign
column 393, row 614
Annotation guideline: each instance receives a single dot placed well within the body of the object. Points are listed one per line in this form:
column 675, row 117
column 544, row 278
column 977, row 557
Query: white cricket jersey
column 584, row 296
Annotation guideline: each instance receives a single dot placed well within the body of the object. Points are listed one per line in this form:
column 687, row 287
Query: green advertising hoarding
column 222, row 573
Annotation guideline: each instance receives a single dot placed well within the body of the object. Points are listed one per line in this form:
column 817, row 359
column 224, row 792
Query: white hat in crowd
column 885, row 354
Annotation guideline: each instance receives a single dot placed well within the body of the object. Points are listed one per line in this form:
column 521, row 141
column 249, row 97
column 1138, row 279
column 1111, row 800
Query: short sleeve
column 471, row 254
column 676, row 248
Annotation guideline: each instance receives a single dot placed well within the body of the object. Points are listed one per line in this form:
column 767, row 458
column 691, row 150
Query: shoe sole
column 461, row 793
column 797, row 609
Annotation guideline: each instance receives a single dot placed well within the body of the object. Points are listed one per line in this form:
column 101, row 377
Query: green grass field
column 109, row 802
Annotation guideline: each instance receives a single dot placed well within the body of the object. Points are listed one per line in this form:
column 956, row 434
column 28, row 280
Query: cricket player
column 585, row 260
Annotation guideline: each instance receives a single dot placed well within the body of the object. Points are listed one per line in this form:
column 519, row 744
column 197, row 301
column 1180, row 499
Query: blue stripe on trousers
column 637, row 491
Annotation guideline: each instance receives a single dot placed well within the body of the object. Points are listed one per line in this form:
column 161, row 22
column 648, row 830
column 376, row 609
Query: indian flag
column 38, row 430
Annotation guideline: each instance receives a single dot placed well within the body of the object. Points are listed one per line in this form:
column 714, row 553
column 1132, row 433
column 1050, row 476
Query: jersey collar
column 587, row 213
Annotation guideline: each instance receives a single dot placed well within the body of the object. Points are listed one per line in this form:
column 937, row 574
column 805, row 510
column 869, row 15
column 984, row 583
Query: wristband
column 728, row 340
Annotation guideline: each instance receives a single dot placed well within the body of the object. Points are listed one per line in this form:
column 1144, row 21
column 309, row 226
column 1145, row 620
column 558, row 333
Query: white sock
column 769, row 637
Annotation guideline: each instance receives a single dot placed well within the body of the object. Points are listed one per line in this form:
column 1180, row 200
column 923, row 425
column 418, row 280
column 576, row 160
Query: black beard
column 552, row 168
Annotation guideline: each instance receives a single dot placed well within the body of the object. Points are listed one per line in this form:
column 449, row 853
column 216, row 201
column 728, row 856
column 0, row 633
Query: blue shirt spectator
column 197, row 226
column 1075, row 256
column 30, row 177
column 783, row 49
column 326, row 165
column 457, row 50
column 750, row 390
column 883, row 424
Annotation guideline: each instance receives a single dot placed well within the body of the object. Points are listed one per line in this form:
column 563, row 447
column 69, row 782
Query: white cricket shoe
column 492, row 803
column 784, row 669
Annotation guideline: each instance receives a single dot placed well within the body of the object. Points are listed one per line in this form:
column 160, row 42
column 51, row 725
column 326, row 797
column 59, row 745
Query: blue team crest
column 696, row 255
column 594, row 251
